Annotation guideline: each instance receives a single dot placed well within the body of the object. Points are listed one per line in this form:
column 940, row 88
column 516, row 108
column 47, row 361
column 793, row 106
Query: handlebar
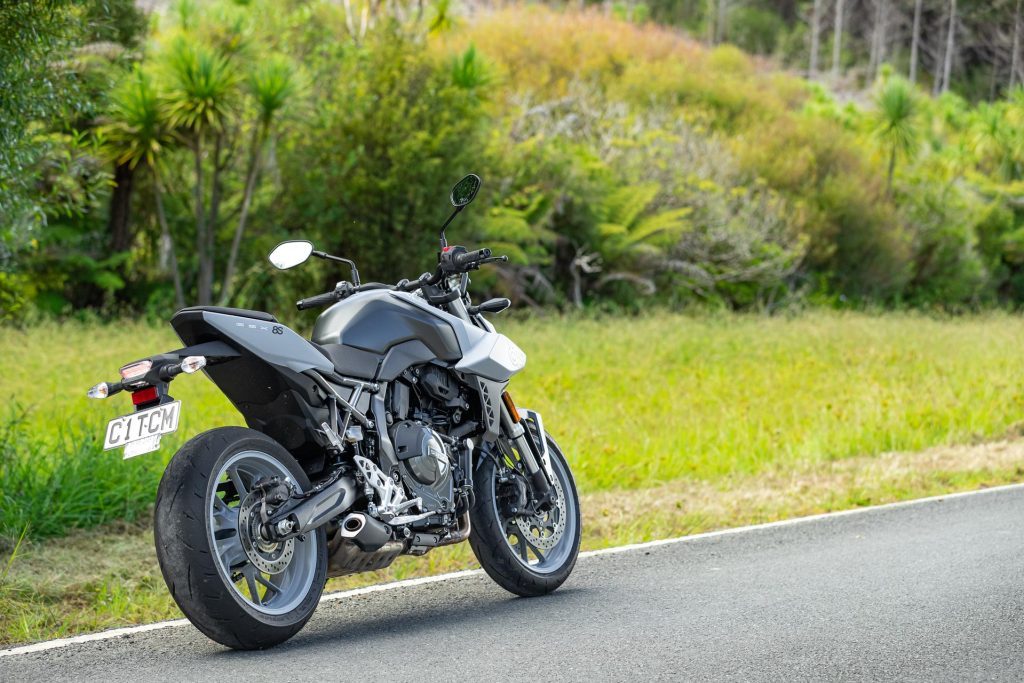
column 457, row 262
column 324, row 299
column 465, row 258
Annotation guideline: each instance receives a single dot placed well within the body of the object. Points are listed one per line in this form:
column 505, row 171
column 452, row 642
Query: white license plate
column 140, row 432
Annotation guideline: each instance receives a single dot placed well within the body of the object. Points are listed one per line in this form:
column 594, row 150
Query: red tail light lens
column 143, row 396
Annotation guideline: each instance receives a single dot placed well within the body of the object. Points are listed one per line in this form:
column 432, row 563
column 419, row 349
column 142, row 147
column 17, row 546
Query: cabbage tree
column 139, row 133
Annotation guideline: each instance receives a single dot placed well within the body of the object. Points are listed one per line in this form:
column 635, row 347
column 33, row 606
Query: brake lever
column 492, row 259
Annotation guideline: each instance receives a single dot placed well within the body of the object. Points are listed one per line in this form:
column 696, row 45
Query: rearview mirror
column 290, row 254
column 465, row 190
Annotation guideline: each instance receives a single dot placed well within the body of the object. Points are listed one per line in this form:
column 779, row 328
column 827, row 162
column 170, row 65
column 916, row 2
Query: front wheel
column 237, row 588
column 527, row 552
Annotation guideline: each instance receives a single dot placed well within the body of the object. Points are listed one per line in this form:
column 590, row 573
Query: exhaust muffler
column 368, row 533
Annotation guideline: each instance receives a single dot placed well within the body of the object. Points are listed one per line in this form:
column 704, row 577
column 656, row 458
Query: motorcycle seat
column 256, row 315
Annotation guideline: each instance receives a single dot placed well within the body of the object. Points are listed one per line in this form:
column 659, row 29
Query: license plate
column 140, row 432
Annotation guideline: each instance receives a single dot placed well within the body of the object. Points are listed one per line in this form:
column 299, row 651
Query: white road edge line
column 408, row 583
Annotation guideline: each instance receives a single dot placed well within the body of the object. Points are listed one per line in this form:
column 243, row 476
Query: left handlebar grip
column 471, row 256
column 318, row 300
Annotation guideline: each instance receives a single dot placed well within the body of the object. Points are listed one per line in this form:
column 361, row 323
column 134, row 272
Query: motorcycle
column 391, row 432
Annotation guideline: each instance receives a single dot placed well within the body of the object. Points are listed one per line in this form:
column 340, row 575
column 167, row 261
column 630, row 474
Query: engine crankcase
column 426, row 466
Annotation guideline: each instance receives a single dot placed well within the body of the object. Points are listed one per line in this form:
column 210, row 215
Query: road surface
column 929, row 591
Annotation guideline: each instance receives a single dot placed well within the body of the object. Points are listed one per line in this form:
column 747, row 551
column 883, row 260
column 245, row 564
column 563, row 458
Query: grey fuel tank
column 378, row 334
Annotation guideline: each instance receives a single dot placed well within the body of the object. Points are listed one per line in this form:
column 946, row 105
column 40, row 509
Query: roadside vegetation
column 625, row 163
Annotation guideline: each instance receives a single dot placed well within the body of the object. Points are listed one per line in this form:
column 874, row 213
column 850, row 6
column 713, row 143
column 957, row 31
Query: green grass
column 636, row 402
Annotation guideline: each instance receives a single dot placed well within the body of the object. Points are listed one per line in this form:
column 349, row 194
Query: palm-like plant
column 139, row 133
column 896, row 121
column 201, row 101
column 272, row 83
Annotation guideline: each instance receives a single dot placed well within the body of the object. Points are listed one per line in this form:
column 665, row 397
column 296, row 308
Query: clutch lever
column 492, row 259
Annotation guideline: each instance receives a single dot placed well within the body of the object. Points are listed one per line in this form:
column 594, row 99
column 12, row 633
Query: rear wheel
column 527, row 553
column 238, row 589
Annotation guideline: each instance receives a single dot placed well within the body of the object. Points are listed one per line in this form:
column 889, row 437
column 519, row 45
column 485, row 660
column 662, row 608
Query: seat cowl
column 242, row 312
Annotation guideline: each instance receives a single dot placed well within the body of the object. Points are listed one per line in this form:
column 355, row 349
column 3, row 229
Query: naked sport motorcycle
column 391, row 432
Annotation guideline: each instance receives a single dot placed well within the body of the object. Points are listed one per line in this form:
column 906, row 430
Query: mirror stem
column 444, row 241
column 351, row 264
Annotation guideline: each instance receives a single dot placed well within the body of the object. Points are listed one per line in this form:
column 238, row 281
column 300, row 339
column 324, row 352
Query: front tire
column 243, row 597
column 525, row 555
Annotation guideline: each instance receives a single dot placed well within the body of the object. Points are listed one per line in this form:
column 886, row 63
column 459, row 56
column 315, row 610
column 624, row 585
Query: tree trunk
column 937, row 71
column 167, row 240
column 837, row 40
column 213, row 217
column 892, row 168
column 812, row 70
column 882, row 28
column 874, row 59
column 915, row 40
column 1015, row 50
column 711, row 21
column 723, row 11
column 947, row 66
column 201, row 227
column 258, row 137
column 119, row 223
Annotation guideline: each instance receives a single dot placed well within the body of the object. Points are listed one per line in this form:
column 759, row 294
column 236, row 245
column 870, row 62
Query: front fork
column 533, row 449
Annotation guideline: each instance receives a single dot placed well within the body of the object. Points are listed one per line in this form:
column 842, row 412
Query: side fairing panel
column 272, row 342
column 494, row 357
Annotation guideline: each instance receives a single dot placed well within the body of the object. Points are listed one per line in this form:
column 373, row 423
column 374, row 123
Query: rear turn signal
column 101, row 390
column 192, row 364
column 507, row 398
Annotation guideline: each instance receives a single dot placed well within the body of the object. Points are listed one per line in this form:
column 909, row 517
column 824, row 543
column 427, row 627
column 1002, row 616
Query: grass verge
column 108, row 577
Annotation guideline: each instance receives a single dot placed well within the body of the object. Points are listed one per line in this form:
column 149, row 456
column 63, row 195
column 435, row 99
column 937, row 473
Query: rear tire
column 507, row 564
column 200, row 579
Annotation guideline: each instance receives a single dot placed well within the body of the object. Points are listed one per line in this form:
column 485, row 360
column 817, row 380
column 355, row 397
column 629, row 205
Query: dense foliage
column 624, row 164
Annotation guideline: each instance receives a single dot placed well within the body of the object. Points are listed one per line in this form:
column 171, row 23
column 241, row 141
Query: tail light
column 136, row 370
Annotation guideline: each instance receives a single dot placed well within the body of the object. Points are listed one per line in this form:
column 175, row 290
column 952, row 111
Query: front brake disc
column 543, row 530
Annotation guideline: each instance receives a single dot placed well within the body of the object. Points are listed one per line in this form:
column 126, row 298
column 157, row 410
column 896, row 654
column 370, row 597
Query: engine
column 428, row 411
column 425, row 464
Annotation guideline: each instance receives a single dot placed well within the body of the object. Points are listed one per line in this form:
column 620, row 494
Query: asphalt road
column 931, row 591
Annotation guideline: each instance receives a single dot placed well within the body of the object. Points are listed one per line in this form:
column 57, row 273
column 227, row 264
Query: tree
column 878, row 39
column 201, row 102
column 812, row 69
column 140, row 133
column 915, row 40
column 36, row 87
column 947, row 66
column 723, row 14
column 837, row 40
column 896, row 126
column 272, row 84
column 1015, row 49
